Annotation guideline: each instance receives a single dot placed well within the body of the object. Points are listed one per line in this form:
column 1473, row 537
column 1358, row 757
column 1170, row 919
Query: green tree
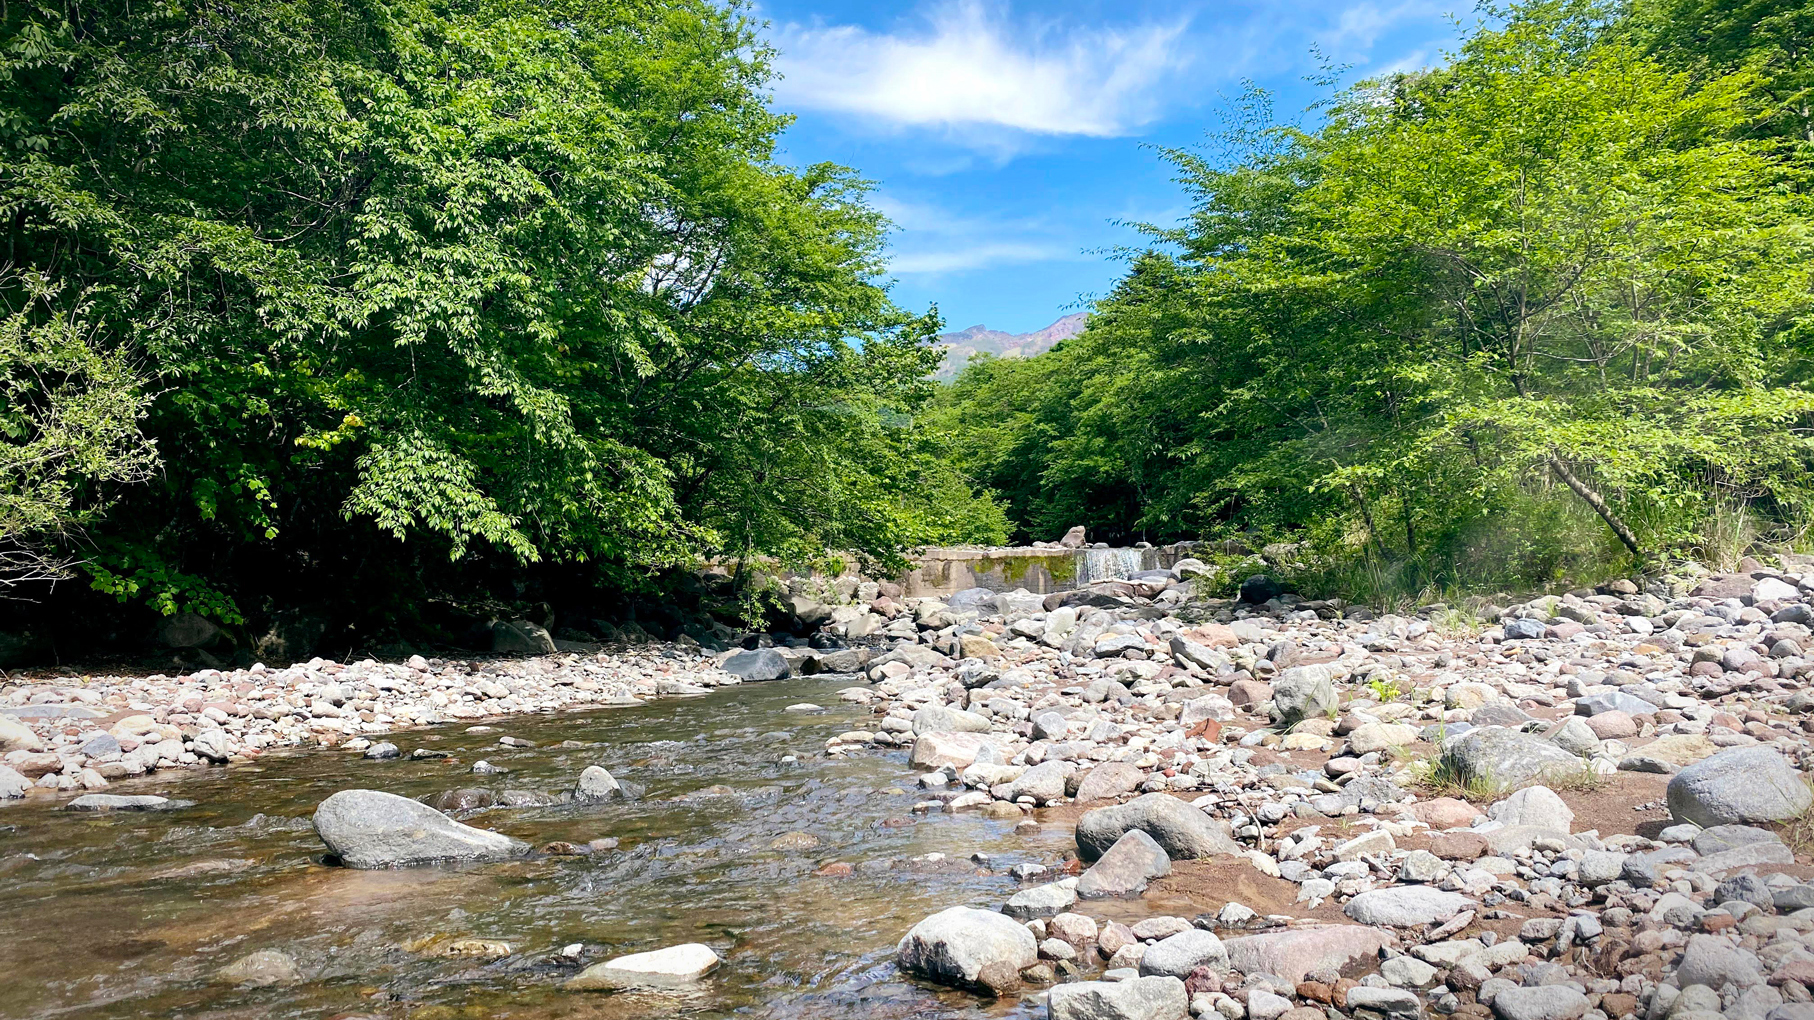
column 487, row 281
column 1557, row 277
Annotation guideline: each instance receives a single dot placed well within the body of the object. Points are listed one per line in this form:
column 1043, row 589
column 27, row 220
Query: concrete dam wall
column 1042, row 570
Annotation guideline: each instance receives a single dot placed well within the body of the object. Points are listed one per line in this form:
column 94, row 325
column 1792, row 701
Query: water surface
column 128, row 915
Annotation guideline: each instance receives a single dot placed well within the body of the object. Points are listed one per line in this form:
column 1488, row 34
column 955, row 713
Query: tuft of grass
column 1798, row 833
column 1727, row 535
column 1385, row 690
column 1583, row 780
column 1440, row 777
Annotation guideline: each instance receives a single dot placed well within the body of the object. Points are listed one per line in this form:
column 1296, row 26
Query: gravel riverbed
column 1590, row 805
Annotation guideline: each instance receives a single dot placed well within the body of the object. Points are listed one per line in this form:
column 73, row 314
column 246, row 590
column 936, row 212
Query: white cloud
column 969, row 69
column 931, row 240
column 978, row 255
column 1358, row 27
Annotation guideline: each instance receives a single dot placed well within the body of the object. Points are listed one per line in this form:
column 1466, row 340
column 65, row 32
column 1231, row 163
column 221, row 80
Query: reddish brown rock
column 1458, row 846
column 1445, row 813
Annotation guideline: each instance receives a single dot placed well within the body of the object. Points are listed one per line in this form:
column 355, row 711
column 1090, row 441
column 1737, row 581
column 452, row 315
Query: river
column 128, row 915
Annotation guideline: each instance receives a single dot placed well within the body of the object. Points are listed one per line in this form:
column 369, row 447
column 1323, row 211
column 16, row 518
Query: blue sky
column 1006, row 138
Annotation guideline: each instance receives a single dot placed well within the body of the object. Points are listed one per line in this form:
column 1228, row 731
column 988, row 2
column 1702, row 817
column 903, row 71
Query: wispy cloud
column 965, row 68
column 1359, row 27
column 932, row 240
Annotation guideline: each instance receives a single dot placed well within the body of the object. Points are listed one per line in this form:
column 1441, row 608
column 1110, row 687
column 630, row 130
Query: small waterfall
column 1109, row 564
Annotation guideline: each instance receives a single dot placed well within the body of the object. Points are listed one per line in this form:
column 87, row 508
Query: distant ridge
column 963, row 345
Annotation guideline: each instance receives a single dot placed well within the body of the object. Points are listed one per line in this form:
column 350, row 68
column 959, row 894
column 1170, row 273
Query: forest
column 391, row 311
column 1536, row 316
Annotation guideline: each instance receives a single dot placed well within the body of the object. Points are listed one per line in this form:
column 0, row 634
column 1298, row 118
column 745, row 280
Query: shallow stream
column 128, row 915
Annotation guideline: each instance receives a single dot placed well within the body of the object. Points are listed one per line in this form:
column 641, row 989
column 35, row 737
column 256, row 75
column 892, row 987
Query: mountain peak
column 965, row 344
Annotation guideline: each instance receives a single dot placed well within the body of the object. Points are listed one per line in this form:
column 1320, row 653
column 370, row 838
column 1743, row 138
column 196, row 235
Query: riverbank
column 82, row 733
column 1249, row 808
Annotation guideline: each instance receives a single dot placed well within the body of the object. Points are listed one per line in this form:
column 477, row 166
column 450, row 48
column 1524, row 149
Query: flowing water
column 128, row 915
column 1113, row 564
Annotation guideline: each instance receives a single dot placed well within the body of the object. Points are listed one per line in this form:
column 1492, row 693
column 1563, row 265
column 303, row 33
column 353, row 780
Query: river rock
column 12, row 784
column 1405, row 906
column 1295, row 955
column 1739, row 785
column 1126, row 868
column 1546, row 1002
column 373, row 829
column 1613, row 701
column 675, row 965
column 1712, row 961
column 382, row 751
column 1109, row 780
column 1142, row 998
column 1042, row 900
column 596, row 784
column 1536, row 806
column 1380, row 736
column 1043, row 782
column 262, row 969
column 520, row 637
column 1183, row 831
column 945, row 719
column 16, row 736
column 1304, row 692
column 959, row 750
column 1721, row 838
column 757, row 664
column 1499, row 758
column 123, row 802
column 969, row 948
column 1178, row 955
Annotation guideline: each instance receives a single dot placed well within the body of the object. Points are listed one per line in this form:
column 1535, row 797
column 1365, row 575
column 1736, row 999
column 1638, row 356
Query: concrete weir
column 946, row 570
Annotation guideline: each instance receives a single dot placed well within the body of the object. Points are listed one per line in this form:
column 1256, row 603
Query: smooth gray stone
column 70, row 711
column 1613, row 701
column 1742, row 785
column 1184, row 831
column 123, row 802
column 1729, row 837
column 373, row 829
column 1142, row 998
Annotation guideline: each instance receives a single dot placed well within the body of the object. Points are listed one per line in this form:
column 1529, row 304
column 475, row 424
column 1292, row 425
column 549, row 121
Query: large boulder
column 1183, row 831
column 1145, row 998
column 959, row 750
column 757, row 664
column 1405, row 906
column 1304, row 692
column 1739, row 785
column 945, row 719
column 1544, row 1002
column 16, row 736
column 1295, row 955
column 661, row 968
column 1109, row 780
column 1536, row 806
column 1126, row 868
column 12, row 784
column 373, row 829
column 1260, row 588
column 1178, row 955
column 1495, row 758
column 1713, row 961
column 187, row 630
column 969, row 948
column 262, row 969
column 1043, row 782
column 520, row 637
column 596, row 784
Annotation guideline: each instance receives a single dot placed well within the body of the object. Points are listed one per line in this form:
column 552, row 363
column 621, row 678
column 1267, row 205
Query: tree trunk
column 1592, row 499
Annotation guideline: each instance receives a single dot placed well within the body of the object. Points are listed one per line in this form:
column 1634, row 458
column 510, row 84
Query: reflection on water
column 128, row 915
